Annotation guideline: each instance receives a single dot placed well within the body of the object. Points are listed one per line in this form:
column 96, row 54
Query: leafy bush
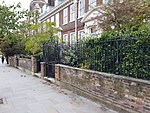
column 122, row 54
column 68, row 55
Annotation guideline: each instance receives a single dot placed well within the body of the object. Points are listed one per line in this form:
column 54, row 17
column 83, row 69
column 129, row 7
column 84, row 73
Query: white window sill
column 80, row 17
column 64, row 24
column 72, row 20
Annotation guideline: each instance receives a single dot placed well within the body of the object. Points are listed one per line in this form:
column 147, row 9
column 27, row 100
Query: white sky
column 24, row 3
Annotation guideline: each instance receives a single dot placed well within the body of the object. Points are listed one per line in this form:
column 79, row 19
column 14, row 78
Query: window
column 65, row 39
column 92, row 3
column 93, row 30
column 106, row 1
column 52, row 19
column 72, row 38
column 81, row 34
column 72, row 12
column 65, row 16
column 43, row 9
column 59, row 37
column 81, row 8
column 44, row 26
column 57, row 20
column 49, row 19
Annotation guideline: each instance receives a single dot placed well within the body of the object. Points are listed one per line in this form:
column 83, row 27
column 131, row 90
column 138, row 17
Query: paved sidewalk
column 23, row 93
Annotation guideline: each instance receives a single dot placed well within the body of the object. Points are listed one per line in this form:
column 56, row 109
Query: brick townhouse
column 75, row 18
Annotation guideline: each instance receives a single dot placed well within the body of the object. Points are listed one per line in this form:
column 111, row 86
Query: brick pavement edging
column 117, row 92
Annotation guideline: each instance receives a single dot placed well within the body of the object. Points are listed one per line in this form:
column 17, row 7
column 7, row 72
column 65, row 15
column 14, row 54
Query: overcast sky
column 24, row 3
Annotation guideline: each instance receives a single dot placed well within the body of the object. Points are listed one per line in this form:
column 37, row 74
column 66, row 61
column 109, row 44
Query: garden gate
column 51, row 56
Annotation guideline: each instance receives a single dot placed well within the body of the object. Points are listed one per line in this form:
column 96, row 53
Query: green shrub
column 124, row 54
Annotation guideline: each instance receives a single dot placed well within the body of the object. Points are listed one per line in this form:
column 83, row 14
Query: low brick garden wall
column 11, row 61
column 117, row 92
column 25, row 63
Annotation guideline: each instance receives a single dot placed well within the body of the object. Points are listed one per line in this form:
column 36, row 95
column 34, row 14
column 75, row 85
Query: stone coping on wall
column 107, row 74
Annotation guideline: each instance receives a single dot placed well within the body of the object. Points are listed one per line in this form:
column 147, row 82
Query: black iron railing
column 51, row 53
column 128, row 57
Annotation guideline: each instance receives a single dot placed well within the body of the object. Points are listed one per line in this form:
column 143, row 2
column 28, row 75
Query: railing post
column 9, row 60
column 57, row 72
column 15, row 61
column 34, row 64
column 117, row 58
column 43, row 69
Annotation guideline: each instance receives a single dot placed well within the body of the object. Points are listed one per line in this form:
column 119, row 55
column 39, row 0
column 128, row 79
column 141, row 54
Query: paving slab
column 24, row 93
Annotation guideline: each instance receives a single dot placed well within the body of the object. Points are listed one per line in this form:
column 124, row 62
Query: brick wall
column 117, row 92
column 11, row 61
column 25, row 63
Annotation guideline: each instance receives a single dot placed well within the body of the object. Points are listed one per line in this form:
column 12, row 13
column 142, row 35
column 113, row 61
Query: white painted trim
column 71, row 21
column 88, row 13
column 80, row 16
column 37, row 2
column 71, row 38
column 67, row 38
column 65, row 11
column 56, row 9
column 71, row 7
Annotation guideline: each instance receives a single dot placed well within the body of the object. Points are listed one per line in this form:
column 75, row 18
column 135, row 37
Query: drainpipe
column 76, row 19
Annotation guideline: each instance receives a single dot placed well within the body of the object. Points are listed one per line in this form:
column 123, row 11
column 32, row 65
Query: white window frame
column 44, row 27
column 65, row 16
column 80, row 35
column 92, row 3
column 57, row 20
column 106, row 1
column 93, row 30
column 52, row 19
column 59, row 37
column 81, row 8
column 65, row 39
column 72, row 38
column 72, row 12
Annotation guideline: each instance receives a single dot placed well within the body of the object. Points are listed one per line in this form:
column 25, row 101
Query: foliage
column 125, row 54
column 10, row 19
column 10, row 24
column 12, row 44
column 124, row 16
column 124, row 46
column 69, row 55
column 122, row 54
column 40, row 34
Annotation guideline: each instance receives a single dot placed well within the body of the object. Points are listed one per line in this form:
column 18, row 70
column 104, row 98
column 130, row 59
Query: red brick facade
column 69, row 27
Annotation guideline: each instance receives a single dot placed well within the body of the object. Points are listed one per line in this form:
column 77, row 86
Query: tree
column 39, row 33
column 10, row 19
column 124, row 16
column 13, row 44
column 10, row 25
